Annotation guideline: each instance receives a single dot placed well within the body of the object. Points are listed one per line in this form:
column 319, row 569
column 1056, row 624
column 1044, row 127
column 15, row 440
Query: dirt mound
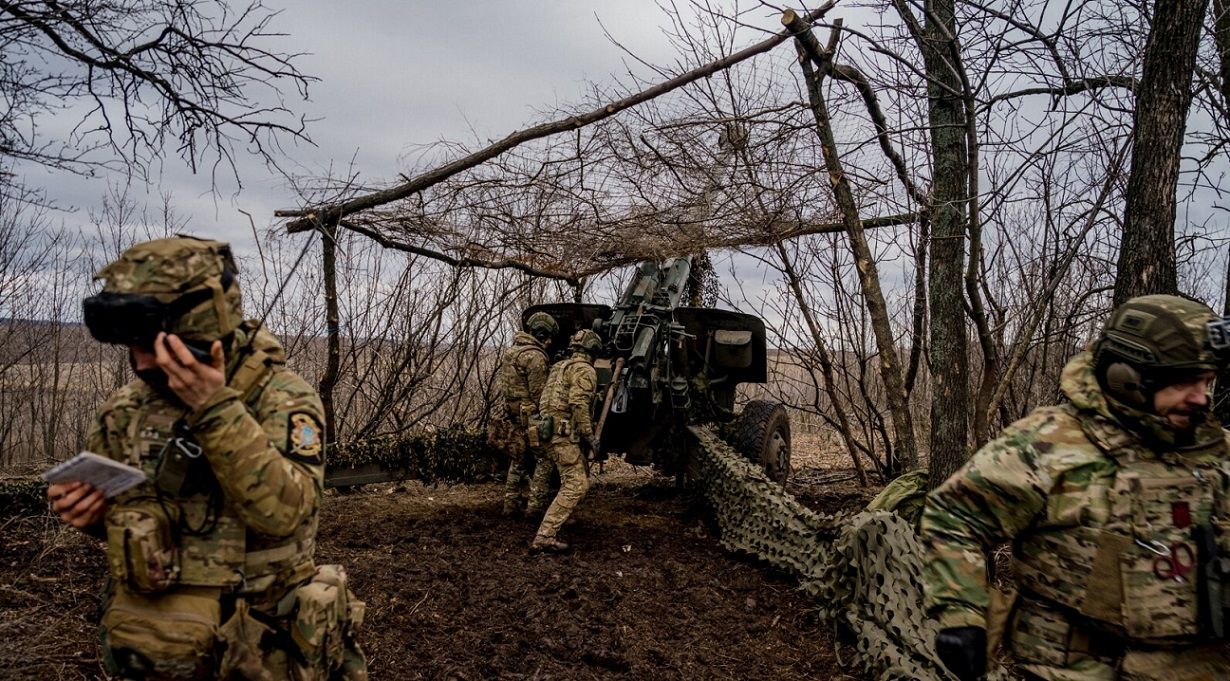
column 453, row 593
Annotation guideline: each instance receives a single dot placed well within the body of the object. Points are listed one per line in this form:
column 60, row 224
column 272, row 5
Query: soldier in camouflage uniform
column 523, row 372
column 1116, row 502
column 211, row 569
column 568, row 400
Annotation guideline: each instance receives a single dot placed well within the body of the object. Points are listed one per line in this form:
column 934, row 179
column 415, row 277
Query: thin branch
column 333, row 212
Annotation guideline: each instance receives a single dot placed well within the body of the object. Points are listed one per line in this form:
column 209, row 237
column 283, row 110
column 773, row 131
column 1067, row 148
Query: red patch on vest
column 1181, row 513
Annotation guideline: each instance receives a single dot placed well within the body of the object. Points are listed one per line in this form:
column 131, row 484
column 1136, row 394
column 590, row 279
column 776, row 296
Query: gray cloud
column 395, row 76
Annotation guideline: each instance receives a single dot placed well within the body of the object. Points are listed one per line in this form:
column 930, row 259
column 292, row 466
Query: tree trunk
column 333, row 359
column 905, row 444
column 949, row 358
column 1147, row 254
column 1221, row 36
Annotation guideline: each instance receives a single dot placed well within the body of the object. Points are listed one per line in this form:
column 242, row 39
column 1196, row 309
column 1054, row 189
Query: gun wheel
column 762, row 434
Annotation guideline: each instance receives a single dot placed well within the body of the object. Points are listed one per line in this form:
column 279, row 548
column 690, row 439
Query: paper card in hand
column 112, row 477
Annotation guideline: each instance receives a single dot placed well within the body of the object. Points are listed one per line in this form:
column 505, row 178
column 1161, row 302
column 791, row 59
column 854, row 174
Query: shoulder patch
column 304, row 439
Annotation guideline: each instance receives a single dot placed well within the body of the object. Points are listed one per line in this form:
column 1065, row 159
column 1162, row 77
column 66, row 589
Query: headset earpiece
column 1125, row 384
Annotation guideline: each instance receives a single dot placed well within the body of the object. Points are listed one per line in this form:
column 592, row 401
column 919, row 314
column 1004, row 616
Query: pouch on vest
column 168, row 636
column 528, row 409
column 542, row 427
column 501, row 435
column 1155, row 604
column 1040, row 635
column 243, row 638
column 999, row 614
column 182, row 470
column 324, row 623
column 141, row 547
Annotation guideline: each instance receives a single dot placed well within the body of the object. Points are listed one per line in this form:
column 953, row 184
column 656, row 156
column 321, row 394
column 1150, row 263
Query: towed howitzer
column 665, row 367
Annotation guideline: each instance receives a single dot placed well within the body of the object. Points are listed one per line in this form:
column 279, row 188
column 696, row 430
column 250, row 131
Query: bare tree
column 197, row 76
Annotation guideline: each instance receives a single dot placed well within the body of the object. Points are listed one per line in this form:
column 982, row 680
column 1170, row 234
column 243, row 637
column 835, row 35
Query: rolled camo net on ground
column 865, row 570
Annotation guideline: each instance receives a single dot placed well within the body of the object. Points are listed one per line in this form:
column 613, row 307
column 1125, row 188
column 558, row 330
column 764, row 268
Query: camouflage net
column 456, row 454
column 22, row 497
column 865, row 570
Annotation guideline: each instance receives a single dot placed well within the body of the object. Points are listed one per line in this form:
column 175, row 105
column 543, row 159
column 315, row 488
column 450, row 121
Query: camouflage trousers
column 527, row 466
column 1049, row 646
column 532, row 468
column 574, row 483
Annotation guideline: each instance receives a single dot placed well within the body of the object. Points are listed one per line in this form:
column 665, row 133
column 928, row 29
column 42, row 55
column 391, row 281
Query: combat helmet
column 586, row 341
column 541, row 325
column 1158, row 340
column 181, row 285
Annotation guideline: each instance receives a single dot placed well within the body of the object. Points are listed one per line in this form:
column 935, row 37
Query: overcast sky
column 394, row 76
column 397, row 75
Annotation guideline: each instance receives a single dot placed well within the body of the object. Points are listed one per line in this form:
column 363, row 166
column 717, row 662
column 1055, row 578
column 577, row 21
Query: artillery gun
column 665, row 367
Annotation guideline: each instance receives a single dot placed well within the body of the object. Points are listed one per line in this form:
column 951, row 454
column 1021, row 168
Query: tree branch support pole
column 328, row 381
column 905, row 446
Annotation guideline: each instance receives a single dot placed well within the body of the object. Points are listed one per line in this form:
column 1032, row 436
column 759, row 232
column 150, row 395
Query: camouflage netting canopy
column 574, row 206
column 724, row 155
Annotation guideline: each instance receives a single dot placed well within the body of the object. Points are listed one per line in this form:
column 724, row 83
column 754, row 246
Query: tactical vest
column 203, row 542
column 515, row 384
column 555, row 392
column 1117, row 542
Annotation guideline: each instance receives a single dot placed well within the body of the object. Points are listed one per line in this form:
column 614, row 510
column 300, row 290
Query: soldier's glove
column 964, row 651
column 591, row 448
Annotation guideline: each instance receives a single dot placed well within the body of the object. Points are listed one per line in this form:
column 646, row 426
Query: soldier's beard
column 155, row 378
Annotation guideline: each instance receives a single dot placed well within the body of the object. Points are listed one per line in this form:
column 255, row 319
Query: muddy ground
column 453, row 592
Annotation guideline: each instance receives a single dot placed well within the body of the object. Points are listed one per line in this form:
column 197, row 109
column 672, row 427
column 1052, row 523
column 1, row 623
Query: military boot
column 548, row 544
column 511, row 509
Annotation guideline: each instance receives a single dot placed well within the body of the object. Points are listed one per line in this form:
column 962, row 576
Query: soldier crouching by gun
column 210, row 559
column 565, row 422
column 1117, row 502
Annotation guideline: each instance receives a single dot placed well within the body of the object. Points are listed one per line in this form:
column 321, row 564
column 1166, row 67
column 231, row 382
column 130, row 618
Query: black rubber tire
column 762, row 434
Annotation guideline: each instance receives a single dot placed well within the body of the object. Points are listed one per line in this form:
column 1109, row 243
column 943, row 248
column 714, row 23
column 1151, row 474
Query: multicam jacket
column 245, row 521
column 523, row 373
column 1101, row 522
column 569, row 396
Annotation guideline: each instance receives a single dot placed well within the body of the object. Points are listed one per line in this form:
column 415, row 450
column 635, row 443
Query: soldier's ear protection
column 1125, row 384
column 1121, row 380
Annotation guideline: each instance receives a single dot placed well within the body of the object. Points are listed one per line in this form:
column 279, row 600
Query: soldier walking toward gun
column 565, row 413
column 523, row 373
column 1117, row 502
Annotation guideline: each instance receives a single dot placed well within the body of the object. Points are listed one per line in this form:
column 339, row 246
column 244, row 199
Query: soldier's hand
column 194, row 382
column 594, row 453
column 964, row 651
column 77, row 503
